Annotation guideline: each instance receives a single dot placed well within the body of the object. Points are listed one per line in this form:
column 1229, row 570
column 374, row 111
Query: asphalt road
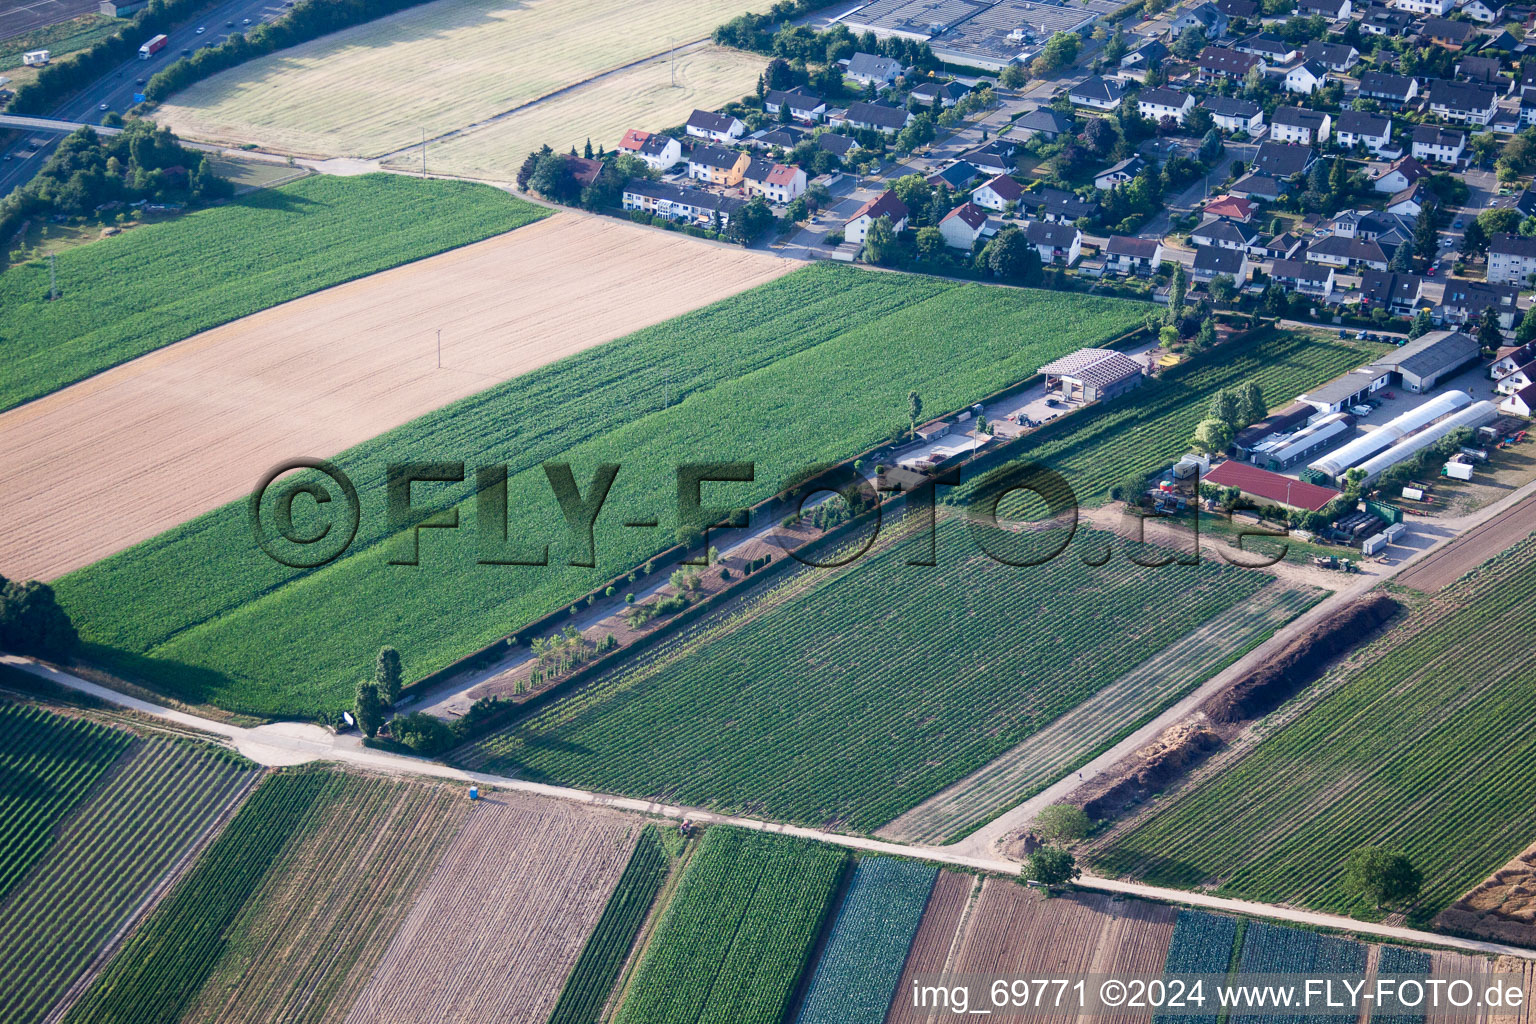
column 117, row 88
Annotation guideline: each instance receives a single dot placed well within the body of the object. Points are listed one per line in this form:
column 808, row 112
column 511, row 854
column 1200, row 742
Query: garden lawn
column 123, row 296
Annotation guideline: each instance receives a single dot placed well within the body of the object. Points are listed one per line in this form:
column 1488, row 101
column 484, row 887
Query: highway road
column 117, row 88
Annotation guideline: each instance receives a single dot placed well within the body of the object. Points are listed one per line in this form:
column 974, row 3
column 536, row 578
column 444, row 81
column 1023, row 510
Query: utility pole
column 53, row 276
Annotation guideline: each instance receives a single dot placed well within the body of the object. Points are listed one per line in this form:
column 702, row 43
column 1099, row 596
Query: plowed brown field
column 934, row 939
column 120, row 457
column 497, row 929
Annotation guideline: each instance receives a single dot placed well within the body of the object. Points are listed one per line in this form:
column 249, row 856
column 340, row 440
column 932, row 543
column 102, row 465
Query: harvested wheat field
column 120, row 457
column 641, row 96
column 497, row 929
column 373, row 89
column 1014, row 931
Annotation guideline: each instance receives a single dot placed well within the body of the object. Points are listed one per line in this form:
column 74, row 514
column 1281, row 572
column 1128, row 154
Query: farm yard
column 639, row 96
column 1428, row 748
column 310, row 935
column 498, row 927
column 161, row 795
column 196, row 424
column 862, row 960
column 341, row 94
column 159, row 283
column 911, row 679
column 738, row 932
column 1119, row 708
column 685, row 387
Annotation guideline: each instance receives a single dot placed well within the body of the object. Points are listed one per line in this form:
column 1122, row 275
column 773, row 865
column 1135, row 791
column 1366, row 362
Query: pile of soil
column 1503, row 908
column 1153, row 767
column 1300, row 662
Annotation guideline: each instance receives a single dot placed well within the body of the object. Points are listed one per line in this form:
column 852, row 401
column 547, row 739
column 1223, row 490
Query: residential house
column 1226, row 234
column 1398, row 294
column 658, row 152
column 1305, row 78
column 1219, row 62
column 1058, row 206
column 1431, row 8
column 1280, row 161
column 1333, row 56
column 1388, row 88
column 1129, row 255
column 784, row 183
column 1272, row 48
column 880, row 117
column 1164, row 102
column 1462, row 102
column 1385, row 21
column 783, row 136
column 1410, row 202
column 1465, row 301
column 955, row 177
column 1386, row 229
column 868, row 69
column 1347, row 253
column 998, row 193
column 1299, row 125
column 995, row 157
column 803, row 106
column 1399, row 175
column 755, row 178
column 1206, row 17
column 1332, row 10
column 1248, row 10
column 1517, row 380
column 1308, row 278
column 1045, row 122
column 1440, row 145
column 1521, row 403
column 1258, row 187
column 717, row 166
column 675, row 202
column 1358, row 128
column 1234, row 115
column 1056, row 243
column 1511, row 359
column 1524, row 201
column 1452, row 35
column 886, row 204
column 1285, row 247
column 1119, row 173
column 1483, row 69
column 963, row 225
column 1488, row 12
column 839, row 146
column 1145, row 57
column 1230, row 208
column 1211, row 261
column 947, row 93
column 706, row 124
column 1098, row 93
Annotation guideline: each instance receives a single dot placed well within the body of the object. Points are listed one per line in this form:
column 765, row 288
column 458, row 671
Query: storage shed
column 1093, row 374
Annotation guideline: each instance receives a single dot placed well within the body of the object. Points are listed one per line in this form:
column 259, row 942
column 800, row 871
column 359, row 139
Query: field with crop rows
column 855, row 699
column 1119, row 708
column 1396, row 960
column 602, row 958
column 864, row 955
column 155, row 975
column 1430, row 748
column 935, row 937
column 1095, row 448
column 122, row 297
column 310, row 935
column 341, row 94
column 738, row 932
column 1273, row 949
column 162, row 795
column 641, row 96
column 686, row 388
column 495, row 932
column 1201, row 944
column 1015, row 931
column 48, row 766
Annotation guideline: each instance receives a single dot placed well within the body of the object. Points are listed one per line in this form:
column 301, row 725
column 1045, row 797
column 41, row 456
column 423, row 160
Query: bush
column 426, row 735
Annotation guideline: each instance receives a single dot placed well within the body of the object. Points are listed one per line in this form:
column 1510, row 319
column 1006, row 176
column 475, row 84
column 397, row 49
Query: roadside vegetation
column 157, row 284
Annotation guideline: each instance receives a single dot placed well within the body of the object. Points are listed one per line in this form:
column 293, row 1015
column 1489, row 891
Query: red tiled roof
column 973, row 215
column 634, row 139
column 886, row 204
column 1261, row 483
column 782, row 174
column 1229, row 206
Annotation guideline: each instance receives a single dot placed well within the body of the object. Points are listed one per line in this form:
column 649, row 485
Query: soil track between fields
column 1471, row 549
column 145, row 446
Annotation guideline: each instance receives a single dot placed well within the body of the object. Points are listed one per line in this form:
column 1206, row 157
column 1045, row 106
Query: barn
column 1270, row 488
column 1092, row 374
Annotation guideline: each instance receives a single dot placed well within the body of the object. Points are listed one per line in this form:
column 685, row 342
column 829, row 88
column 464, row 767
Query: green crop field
column 859, row 697
column 156, row 284
column 1429, row 749
column 602, row 958
column 814, row 366
column 107, row 857
column 159, row 970
column 48, row 766
column 737, row 934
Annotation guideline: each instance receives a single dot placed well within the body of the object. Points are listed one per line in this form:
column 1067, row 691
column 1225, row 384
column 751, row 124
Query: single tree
column 1206, row 336
column 1402, row 259
column 1488, row 333
column 1213, row 436
column 880, row 241
column 1527, row 329
column 1223, row 289
column 368, row 709
column 914, row 410
column 1060, row 824
column 1381, row 876
column 1051, row 867
column 388, row 675
column 32, row 622
column 1176, row 288
column 1225, row 407
column 1252, row 407
column 1421, row 324
column 1426, row 233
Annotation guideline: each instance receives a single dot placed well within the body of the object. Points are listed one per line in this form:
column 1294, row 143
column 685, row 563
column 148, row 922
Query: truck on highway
column 35, row 58
column 153, row 47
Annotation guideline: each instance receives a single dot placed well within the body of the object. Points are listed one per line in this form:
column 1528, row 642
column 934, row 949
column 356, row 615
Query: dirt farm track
column 1472, row 549
column 122, row 456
